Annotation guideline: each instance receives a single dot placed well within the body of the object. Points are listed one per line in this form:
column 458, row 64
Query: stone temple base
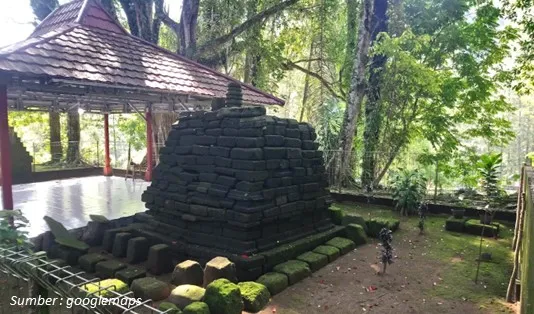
column 249, row 267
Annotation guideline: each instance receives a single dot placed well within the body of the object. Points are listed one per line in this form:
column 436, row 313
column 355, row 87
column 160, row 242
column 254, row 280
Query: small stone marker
column 184, row 295
column 188, row 272
column 88, row 261
column 120, row 245
column 130, row 274
column 159, row 259
column 219, row 267
column 137, row 250
column 107, row 269
column 150, row 288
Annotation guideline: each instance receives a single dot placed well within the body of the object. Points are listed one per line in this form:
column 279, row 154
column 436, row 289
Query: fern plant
column 409, row 189
column 489, row 168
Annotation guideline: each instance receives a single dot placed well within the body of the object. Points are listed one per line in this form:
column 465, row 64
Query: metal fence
column 26, row 277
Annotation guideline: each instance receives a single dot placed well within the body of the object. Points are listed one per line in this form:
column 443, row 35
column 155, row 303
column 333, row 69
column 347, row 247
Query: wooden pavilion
column 80, row 57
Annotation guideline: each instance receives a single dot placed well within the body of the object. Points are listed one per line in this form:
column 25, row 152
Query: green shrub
column 275, row 282
column 356, row 233
column 223, row 297
column 255, row 295
column 409, row 189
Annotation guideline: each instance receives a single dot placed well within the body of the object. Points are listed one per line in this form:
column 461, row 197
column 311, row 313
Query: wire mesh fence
column 33, row 283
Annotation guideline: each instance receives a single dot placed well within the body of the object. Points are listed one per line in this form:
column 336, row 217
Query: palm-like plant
column 489, row 168
column 409, row 189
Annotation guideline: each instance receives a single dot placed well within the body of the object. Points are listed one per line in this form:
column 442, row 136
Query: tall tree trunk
column 356, row 91
column 188, row 27
column 306, row 92
column 372, row 107
column 350, row 48
column 56, row 150
column 73, row 135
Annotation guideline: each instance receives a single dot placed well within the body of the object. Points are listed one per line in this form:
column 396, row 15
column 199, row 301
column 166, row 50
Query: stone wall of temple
column 240, row 181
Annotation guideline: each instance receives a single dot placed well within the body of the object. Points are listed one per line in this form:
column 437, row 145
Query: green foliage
column 12, row 229
column 409, row 189
column 63, row 236
column 489, row 169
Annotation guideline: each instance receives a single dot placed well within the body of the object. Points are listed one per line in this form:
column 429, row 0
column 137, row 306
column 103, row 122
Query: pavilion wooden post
column 107, row 161
column 149, row 144
column 5, row 152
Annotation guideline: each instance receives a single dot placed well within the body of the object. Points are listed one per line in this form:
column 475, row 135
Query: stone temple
column 239, row 183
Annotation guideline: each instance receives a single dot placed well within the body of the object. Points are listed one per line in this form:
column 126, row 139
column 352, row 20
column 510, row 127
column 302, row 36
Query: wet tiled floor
column 71, row 201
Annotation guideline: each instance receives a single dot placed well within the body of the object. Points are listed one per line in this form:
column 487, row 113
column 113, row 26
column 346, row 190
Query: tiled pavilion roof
column 78, row 53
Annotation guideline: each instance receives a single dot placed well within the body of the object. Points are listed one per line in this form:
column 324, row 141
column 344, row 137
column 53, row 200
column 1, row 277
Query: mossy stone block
column 120, row 244
column 109, row 238
column 219, row 267
column 275, row 282
column 294, row 270
column 184, row 295
column 331, row 252
column 137, row 250
column 354, row 219
column 344, row 245
column 336, row 215
column 197, row 308
column 88, row 261
column 105, row 287
column 169, row 308
column 188, row 272
column 107, row 269
column 159, row 259
column 374, row 225
column 223, row 297
column 473, row 226
column 455, row 224
column 255, row 295
column 130, row 274
column 356, row 233
column 314, row 260
column 150, row 288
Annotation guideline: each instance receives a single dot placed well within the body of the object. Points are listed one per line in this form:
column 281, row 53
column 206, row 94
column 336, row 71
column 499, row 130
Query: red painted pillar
column 149, row 144
column 5, row 152
column 107, row 161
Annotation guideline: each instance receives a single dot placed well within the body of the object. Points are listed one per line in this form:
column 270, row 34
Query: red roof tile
column 80, row 41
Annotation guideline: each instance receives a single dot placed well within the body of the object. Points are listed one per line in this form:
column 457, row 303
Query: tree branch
column 291, row 65
column 163, row 15
column 258, row 18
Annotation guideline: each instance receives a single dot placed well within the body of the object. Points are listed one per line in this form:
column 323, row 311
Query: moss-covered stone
column 374, row 225
column 150, row 288
column 275, row 282
column 331, row 252
column 88, row 261
column 107, row 269
column 197, row 308
column 294, row 270
column 223, row 297
column 454, row 224
column 128, row 275
column 473, row 226
column 344, row 245
column 169, row 308
column 184, row 295
column 105, row 287
column 336, row 215
column 255, row 295
column 354, row 219
column 315, row 261
column 356, row 233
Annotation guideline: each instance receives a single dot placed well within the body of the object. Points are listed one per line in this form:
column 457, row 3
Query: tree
column 73, row 134
column 357, row 89
column 372, row 106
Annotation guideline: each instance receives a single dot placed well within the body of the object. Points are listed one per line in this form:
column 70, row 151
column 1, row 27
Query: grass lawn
column 457, row 253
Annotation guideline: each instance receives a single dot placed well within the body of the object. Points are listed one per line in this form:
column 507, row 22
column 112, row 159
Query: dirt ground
column 351, row 285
